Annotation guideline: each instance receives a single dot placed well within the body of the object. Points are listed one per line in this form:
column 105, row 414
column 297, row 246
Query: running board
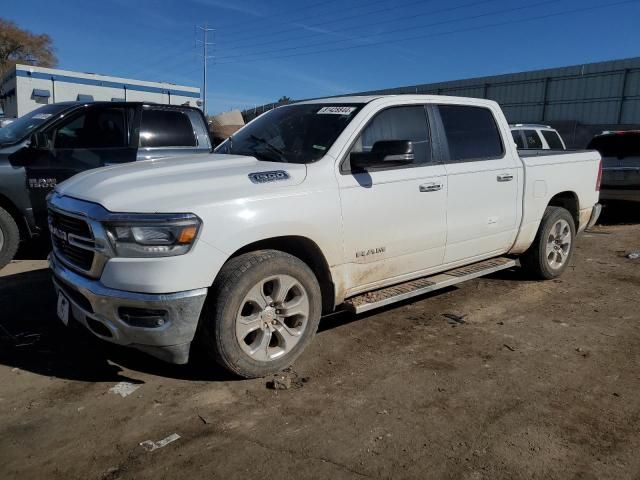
column 397, row 293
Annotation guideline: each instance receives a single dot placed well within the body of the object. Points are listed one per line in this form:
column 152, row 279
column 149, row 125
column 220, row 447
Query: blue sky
column 310, row 48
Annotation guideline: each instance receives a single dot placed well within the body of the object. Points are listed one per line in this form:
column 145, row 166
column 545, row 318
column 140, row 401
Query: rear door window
column 532, row 140
column 553, row 139
column 471, row 133
column 166, row 128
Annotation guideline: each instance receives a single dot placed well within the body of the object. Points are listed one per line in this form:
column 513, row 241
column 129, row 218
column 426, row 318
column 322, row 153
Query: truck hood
column 181, row 184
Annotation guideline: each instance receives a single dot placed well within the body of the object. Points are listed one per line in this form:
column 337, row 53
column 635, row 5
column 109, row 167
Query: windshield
column 23, row 126
column 618, row 145
column 293, row 134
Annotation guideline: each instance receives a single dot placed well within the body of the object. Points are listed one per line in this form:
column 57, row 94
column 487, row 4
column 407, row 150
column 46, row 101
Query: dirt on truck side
column 501, row 377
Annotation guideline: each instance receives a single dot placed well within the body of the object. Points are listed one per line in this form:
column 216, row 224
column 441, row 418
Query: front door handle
column 506, row 177
column 430, row 187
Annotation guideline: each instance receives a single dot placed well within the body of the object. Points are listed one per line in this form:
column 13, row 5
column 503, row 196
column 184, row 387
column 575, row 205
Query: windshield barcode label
column 336, row 110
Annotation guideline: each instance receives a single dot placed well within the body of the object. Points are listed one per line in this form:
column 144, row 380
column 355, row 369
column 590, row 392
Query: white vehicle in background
column 536, row 137
column 353, row 202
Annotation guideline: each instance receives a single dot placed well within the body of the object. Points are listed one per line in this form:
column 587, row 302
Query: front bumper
column 97, row 308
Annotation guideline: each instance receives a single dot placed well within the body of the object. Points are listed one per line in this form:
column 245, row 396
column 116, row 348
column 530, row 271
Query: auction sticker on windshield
column 41, row 116
column 336, row 110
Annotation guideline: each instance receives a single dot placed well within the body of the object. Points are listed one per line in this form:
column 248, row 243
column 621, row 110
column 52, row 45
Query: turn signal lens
column 187, row 235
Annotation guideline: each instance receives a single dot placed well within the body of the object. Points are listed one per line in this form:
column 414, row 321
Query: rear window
column 166, row 128
column 532, row 140
column 553, row 139
column 617, row 145
column 472, row 133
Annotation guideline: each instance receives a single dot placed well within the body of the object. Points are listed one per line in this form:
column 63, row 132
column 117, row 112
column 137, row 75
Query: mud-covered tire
column 9, row 237
column 552, row 250
column 246, row 294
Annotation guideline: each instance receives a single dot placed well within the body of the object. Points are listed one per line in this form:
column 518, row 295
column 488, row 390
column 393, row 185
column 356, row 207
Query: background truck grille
column 64, row 230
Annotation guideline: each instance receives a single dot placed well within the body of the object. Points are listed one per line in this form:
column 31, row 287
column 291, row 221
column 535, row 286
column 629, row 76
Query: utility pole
column 205, row 58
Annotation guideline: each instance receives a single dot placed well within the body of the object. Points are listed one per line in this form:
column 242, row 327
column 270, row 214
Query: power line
column 433, row 35
column 342, row 18
column 372, row 24
column 304, row 8
column 404, row 29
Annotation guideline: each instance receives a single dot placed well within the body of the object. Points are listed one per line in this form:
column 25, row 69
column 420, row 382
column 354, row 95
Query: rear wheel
column 550, row 254
column 264, row 310
column 9, row 237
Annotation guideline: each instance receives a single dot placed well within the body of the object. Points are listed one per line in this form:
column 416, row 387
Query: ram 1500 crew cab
column 352, row 202
column 56, row 141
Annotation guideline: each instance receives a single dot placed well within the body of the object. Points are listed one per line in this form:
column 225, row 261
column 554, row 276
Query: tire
column 245, row 327
column 9, row 237
column 552, row 250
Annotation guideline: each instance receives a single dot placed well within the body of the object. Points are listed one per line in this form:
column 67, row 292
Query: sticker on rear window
column 336, row 110
column 41, row 116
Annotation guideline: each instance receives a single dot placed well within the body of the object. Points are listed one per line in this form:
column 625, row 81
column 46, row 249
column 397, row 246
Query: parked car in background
column 353, row 202
column 55, row 142
column 620, row 152
column 536, row 137
column 4, row 121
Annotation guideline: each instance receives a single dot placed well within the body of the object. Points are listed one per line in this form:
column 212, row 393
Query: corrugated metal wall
column 592, row 94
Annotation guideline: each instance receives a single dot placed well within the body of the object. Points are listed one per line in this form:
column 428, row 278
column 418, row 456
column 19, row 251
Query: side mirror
column 386, row 153
column 40, row 141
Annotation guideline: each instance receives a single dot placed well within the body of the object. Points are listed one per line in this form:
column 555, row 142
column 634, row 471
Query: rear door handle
column 430, row 187
column 506, row 177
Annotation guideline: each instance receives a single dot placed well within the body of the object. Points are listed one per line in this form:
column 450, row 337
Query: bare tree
column 22, row 46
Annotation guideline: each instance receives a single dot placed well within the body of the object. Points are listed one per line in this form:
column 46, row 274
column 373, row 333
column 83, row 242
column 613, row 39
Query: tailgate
column 621, row 172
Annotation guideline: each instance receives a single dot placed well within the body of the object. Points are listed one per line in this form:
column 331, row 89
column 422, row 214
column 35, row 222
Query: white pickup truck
column 353, row 202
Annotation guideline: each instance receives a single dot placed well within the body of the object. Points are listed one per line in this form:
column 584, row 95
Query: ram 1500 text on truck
column 54, row 142
column 350, row 202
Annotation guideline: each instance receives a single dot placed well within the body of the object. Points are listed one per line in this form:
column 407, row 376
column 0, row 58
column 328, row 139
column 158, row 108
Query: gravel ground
column 537, row 380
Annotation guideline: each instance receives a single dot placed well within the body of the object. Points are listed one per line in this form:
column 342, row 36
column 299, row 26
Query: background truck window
column 532, row 139
column 166, row 128
column 95, row 128
column 553, row 139
column 517, row 137
column 472, row 133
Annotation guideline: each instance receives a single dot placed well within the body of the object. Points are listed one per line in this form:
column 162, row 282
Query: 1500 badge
column 42, row 182
column 266, row 177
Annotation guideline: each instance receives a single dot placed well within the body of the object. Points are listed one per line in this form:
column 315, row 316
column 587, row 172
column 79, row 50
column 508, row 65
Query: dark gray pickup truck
column 55, row 142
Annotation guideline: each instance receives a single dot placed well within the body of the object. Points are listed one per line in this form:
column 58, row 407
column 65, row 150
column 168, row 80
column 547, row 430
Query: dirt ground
column 542, row 380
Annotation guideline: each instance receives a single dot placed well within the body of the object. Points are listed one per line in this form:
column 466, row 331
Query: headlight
column 153, row 235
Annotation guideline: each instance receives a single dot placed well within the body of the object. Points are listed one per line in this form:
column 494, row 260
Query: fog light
column 142, row 317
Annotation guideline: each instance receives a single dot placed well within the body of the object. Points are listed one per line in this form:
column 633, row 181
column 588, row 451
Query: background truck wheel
column 9, row 237
column 263, row 310
column 552, row 249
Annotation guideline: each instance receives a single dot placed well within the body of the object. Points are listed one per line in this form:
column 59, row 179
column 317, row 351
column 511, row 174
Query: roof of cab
column 72, row 103
column 363, row 99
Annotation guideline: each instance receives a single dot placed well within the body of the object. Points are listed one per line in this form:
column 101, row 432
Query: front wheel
column 550, row 254
column 263, row 310
column 9, row 237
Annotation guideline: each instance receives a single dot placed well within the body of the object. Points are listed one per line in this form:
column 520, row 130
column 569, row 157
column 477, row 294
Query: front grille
column 65, row 230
